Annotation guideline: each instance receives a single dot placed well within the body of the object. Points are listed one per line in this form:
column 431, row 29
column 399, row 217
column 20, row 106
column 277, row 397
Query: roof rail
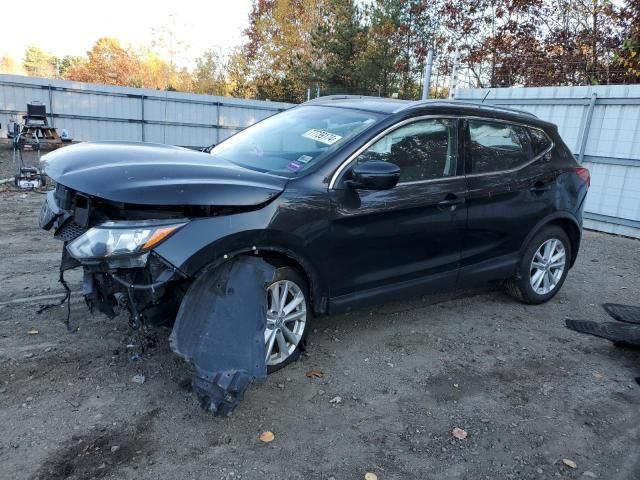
column 485, row 106
column 348, row 97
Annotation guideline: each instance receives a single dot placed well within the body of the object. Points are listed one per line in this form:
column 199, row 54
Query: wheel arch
column 568, row 223
column 279, row 255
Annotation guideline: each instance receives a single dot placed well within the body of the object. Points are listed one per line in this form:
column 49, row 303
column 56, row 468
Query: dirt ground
column 528, row 392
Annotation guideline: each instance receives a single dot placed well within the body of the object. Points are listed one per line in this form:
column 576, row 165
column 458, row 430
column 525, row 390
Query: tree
column 68, row 63
column 167, row 42
column 238, row 75
column 109, row 63
column 209, row 74
column 400, row 34
column 278, row 50
column 629, row 54
column 38, row 63
column 8, row 65
column 339, row 44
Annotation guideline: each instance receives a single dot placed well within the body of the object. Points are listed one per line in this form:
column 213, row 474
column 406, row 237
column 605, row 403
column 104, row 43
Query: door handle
column 451, row 201
column 540, row 187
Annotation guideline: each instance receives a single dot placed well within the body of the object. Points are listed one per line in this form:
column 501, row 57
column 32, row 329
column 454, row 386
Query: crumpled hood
column 154, row 174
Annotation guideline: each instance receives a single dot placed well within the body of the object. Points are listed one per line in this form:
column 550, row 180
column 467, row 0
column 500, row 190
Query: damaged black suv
column 333, row 204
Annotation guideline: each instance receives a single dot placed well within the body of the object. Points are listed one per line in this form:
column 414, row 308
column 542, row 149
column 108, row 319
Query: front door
column 405, row 238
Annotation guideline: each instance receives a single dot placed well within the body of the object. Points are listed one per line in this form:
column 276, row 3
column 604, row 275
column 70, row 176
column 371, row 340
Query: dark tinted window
column 539, row 141
column 424, row 150
column 497, row 146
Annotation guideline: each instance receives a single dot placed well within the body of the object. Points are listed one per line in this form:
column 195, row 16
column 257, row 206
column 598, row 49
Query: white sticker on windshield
column 322, row 136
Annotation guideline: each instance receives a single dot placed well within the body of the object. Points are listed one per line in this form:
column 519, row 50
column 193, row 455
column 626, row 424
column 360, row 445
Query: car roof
column 394, row 105
column 361, row 102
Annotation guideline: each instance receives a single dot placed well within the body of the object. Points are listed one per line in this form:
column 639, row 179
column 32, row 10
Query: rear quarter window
column 540, row 141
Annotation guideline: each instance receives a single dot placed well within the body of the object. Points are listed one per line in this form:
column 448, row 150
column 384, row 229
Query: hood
column 154, row 174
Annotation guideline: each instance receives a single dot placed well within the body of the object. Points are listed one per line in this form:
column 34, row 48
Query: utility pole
column 454, row 77
column 308, row 94
column 426, row 80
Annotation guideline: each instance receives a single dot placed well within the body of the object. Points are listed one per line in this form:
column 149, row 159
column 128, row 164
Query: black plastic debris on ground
column 620, row 334
column 220, row 331
column 623, row 313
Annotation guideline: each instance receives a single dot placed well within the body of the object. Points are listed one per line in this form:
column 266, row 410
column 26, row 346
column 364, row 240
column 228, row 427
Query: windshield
column 289, row 142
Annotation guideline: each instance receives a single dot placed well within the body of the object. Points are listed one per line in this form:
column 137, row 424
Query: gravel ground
column 528, row 392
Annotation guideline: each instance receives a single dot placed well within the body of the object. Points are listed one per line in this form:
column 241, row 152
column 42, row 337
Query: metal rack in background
column 30, row 136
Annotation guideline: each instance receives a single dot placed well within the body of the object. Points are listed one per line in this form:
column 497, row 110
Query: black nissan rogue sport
column 352, row 200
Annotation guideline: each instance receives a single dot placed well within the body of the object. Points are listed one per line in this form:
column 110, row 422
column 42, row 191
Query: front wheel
column 543, row 267
column 288, row 318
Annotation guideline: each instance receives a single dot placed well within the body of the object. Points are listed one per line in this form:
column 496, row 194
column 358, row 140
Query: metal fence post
column 142, row 117
column 53, row 122
column 453, row 82
column 218, row 105
column 427, row 75
column 587, row 127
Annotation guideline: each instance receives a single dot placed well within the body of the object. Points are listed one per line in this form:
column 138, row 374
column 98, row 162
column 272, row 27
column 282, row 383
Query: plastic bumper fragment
column 220, row 331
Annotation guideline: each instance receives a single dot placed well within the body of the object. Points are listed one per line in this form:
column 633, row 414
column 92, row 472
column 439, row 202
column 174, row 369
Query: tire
column 521, row 286
column 294, row 283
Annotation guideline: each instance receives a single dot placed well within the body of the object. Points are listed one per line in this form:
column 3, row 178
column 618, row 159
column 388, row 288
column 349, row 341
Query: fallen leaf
column 33, row 331
column 569, row 463
column 598, row 375
column 315, row 374
column 267, row 436
column 459, row 433
column 370, row 476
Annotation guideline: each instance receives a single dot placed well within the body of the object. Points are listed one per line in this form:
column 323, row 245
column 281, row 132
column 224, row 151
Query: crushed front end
column 113, row 243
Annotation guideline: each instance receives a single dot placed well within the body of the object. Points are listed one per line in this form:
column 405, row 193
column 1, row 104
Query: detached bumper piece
column 620, row 334
column 219, row 330
column 623, row 313
column 626, row 334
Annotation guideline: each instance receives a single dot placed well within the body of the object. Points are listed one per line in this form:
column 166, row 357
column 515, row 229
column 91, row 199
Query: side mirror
column 374, row 175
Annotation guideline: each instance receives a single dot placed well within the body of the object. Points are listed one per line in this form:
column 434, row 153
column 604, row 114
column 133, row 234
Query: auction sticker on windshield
column 322, row 136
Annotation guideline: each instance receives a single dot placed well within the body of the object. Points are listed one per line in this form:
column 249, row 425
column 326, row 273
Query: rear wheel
column 543, row 267
column 288, row 317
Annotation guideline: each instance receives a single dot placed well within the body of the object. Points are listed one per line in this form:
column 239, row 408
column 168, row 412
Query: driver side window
column 424, row 150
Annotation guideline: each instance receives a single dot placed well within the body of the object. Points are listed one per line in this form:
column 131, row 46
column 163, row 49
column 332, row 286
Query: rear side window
column 540, row 142
column 497, row 146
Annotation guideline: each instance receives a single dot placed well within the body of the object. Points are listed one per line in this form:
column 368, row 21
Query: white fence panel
column 102, row 112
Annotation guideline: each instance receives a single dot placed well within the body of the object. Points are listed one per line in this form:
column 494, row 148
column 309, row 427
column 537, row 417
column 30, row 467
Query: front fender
column 209, row 242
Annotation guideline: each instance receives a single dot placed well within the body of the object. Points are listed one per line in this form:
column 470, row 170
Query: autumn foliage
column 380, row 47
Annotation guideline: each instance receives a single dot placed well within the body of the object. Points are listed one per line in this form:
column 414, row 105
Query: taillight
column 583, row 173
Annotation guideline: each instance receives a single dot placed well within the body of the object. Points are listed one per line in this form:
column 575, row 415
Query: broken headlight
column 121, row 239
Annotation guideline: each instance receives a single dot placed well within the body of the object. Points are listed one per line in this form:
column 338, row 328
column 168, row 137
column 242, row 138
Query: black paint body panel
column 150, row 174
column 356, row 247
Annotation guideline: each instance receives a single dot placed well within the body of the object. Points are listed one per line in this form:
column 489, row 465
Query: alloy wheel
column 547, row 266
column 286, row 320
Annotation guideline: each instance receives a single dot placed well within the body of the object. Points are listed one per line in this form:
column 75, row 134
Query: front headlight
column 121, row 239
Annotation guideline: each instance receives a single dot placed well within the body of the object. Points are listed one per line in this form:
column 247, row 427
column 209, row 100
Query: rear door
column 510, row 185
column 408, row 236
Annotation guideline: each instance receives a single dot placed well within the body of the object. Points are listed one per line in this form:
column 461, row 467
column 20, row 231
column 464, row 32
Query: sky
column 72, row 26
